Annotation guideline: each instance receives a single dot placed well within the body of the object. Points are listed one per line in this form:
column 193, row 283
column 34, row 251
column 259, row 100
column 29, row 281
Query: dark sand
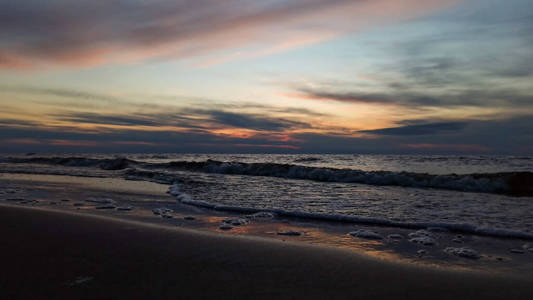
column 44, row 252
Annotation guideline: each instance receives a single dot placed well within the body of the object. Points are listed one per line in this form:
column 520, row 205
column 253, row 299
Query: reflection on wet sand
column 393, row 246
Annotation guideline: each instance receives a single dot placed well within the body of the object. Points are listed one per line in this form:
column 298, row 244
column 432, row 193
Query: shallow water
column 415, row 191
column 148, row 203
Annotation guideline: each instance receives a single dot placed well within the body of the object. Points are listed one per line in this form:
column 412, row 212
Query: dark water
column 483, row 194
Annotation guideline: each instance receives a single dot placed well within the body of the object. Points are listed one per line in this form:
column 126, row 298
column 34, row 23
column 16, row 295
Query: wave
column 175, row 191
column 509, row 183
column 105, row 163
column 307, row 159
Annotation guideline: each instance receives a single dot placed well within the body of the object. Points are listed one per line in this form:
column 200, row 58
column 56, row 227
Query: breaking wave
column 184, row 198
column 105, row 163
column 510, row 183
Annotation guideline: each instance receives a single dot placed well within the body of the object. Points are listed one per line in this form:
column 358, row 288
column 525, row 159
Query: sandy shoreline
column 57, row 243
column 56, row 254
column 141, row 198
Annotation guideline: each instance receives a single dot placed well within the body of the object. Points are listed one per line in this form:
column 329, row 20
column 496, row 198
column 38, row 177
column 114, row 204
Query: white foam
column 423, row 240
column 236, row 221
column 458, row 227
column 81, row 280
column 517, row 251
column 261, row 215
column 490, row 183
column 162, row 211
column 100, row 200
column 437, row 229
column 463, row 252
column 366, row 234
column 422, row 237
column 420, row 233
column 395, row 236
column 175, row 191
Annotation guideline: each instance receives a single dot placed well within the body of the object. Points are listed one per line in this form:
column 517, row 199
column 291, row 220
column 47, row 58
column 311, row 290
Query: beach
column 245, row 149
column 50, row 254
column 53, row 248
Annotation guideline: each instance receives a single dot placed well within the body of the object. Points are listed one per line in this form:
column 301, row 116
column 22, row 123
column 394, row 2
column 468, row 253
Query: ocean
column 486, row 195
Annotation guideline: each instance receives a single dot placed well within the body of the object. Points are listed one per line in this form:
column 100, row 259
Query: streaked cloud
column 420, row 129
column 187, row 118
column 395, row 76
column 250, row 121
column 477, row 55
column 84, row 33
column 480, row 136
column 450, row 147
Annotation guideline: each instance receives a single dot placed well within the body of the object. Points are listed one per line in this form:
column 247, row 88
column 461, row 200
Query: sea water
column 489, row 195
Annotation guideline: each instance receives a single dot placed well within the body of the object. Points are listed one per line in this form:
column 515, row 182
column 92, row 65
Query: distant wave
column 105, row 164
column 457, row 227
column 307, row 159
column 510, row 183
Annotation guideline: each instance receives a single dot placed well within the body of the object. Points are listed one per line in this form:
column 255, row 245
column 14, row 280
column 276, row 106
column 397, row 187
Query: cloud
column 93, row 118
column 14, row 122
column 61, row 97
column 480, row 136
column 249, row 121
column 477, row 54
column 454, row 97
column 87, row 33
column 365, row 97
column 420, row 129
column 64, row 93
column 132, row 140
column 206, row 120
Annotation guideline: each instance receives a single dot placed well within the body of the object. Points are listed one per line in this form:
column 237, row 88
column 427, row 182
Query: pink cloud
column 88, row 33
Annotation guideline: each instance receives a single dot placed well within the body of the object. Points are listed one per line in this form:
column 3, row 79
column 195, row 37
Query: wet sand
column 53, row 254
column 55, row 248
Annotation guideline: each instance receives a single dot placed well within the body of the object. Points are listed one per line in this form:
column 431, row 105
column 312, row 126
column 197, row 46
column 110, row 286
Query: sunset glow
column 306, row 76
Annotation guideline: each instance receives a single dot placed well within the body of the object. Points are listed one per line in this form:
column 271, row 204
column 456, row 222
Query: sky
column 270, row 76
